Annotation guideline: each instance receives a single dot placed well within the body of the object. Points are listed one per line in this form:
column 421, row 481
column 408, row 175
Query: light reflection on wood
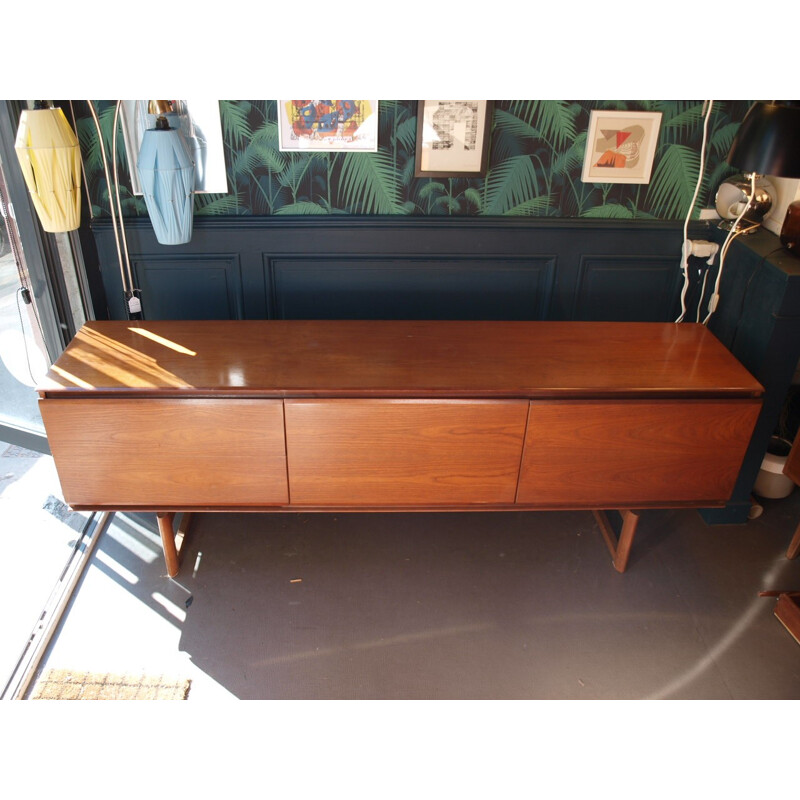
column 114, row 360
column 71, row 378
column 178, row 348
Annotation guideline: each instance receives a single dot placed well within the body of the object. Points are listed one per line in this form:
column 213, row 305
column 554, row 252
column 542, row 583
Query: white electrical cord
column 687, row 245
column 732, row 234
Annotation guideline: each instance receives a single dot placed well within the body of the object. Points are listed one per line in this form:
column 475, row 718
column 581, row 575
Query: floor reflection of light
column 117, row 568
column 709, row 660
column 139, row 541
column 389, row 641
column 167, row 604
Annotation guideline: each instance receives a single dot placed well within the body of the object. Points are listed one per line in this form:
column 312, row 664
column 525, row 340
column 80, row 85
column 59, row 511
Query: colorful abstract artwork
column 328, row 125
column 620, row 146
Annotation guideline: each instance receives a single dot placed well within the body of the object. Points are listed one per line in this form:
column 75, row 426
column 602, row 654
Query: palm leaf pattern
column 511, row 184
column 535, row 162
column 369, row 183
column 674, row 179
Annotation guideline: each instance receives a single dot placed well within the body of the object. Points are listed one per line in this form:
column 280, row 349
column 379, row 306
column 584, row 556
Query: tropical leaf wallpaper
column 535, row 162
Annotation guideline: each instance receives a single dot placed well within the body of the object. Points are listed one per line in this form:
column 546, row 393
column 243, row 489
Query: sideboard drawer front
column 403, row 452
column 168, row 453
column 619, row 454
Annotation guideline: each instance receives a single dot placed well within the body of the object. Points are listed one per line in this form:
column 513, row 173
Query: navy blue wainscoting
column 400, row 268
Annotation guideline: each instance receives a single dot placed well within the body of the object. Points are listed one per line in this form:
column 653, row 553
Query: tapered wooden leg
column 171, row 541
column 620, row 548
column 794, row 545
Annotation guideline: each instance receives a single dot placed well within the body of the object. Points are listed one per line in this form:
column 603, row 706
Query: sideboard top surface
column 298, row 358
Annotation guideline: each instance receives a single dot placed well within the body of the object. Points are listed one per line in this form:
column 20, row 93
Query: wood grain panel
column 383, row 452
column 165, row 453
column 618, row 454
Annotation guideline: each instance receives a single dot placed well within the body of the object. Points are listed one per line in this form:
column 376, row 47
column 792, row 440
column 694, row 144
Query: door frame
column 42, row 265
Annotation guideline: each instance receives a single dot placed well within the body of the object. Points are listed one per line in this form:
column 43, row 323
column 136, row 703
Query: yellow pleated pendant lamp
column 50, row 158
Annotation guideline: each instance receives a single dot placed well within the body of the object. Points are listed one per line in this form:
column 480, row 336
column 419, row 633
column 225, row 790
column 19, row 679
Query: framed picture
column 453, row 138
column 620, row 146
column 330, row 126
column 200, row 122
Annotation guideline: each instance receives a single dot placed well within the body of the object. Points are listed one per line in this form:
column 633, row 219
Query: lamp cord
column 21, row 293
column 84, row 182
column 685, row 248
column 5, row 210
column 116, row 191
column 732, row 234
column 126, row 286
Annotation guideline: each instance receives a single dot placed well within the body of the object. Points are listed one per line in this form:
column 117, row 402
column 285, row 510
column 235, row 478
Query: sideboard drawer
column 403, row 452
column 171, row 453
column 626, row 453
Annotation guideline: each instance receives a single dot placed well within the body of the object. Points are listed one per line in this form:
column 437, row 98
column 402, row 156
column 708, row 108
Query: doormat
column 64, row 684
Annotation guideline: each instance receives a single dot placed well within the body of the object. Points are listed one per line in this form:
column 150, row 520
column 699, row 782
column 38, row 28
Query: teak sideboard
column 175, row 416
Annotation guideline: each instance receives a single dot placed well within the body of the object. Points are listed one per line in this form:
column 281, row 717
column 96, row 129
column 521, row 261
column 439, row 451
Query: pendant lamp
column 166, row 175
column 50, row 159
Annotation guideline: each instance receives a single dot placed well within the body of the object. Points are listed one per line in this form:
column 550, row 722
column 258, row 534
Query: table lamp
column 767, row 143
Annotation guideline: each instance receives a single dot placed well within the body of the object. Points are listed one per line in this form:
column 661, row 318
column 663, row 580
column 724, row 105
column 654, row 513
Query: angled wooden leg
column 620, row 548
column 794, row 545
column 183, row 531
column 787, row 610
column 171, row 541
column 165, row 527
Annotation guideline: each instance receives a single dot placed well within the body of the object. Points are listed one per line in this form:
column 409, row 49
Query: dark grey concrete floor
column 444, row 606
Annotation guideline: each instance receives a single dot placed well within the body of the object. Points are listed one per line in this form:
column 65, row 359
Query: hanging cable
column 116, row 192
column 5, row 210
column 127, row 286
column 687, row 245
column 20, row 294
column 702, row 295
column 732, row 234
column 84, row 181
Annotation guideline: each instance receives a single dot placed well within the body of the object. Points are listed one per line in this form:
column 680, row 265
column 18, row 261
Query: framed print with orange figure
column 620, row 146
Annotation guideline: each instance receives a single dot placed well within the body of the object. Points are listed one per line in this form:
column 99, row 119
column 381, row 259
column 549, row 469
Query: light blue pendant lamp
column 166, row 175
